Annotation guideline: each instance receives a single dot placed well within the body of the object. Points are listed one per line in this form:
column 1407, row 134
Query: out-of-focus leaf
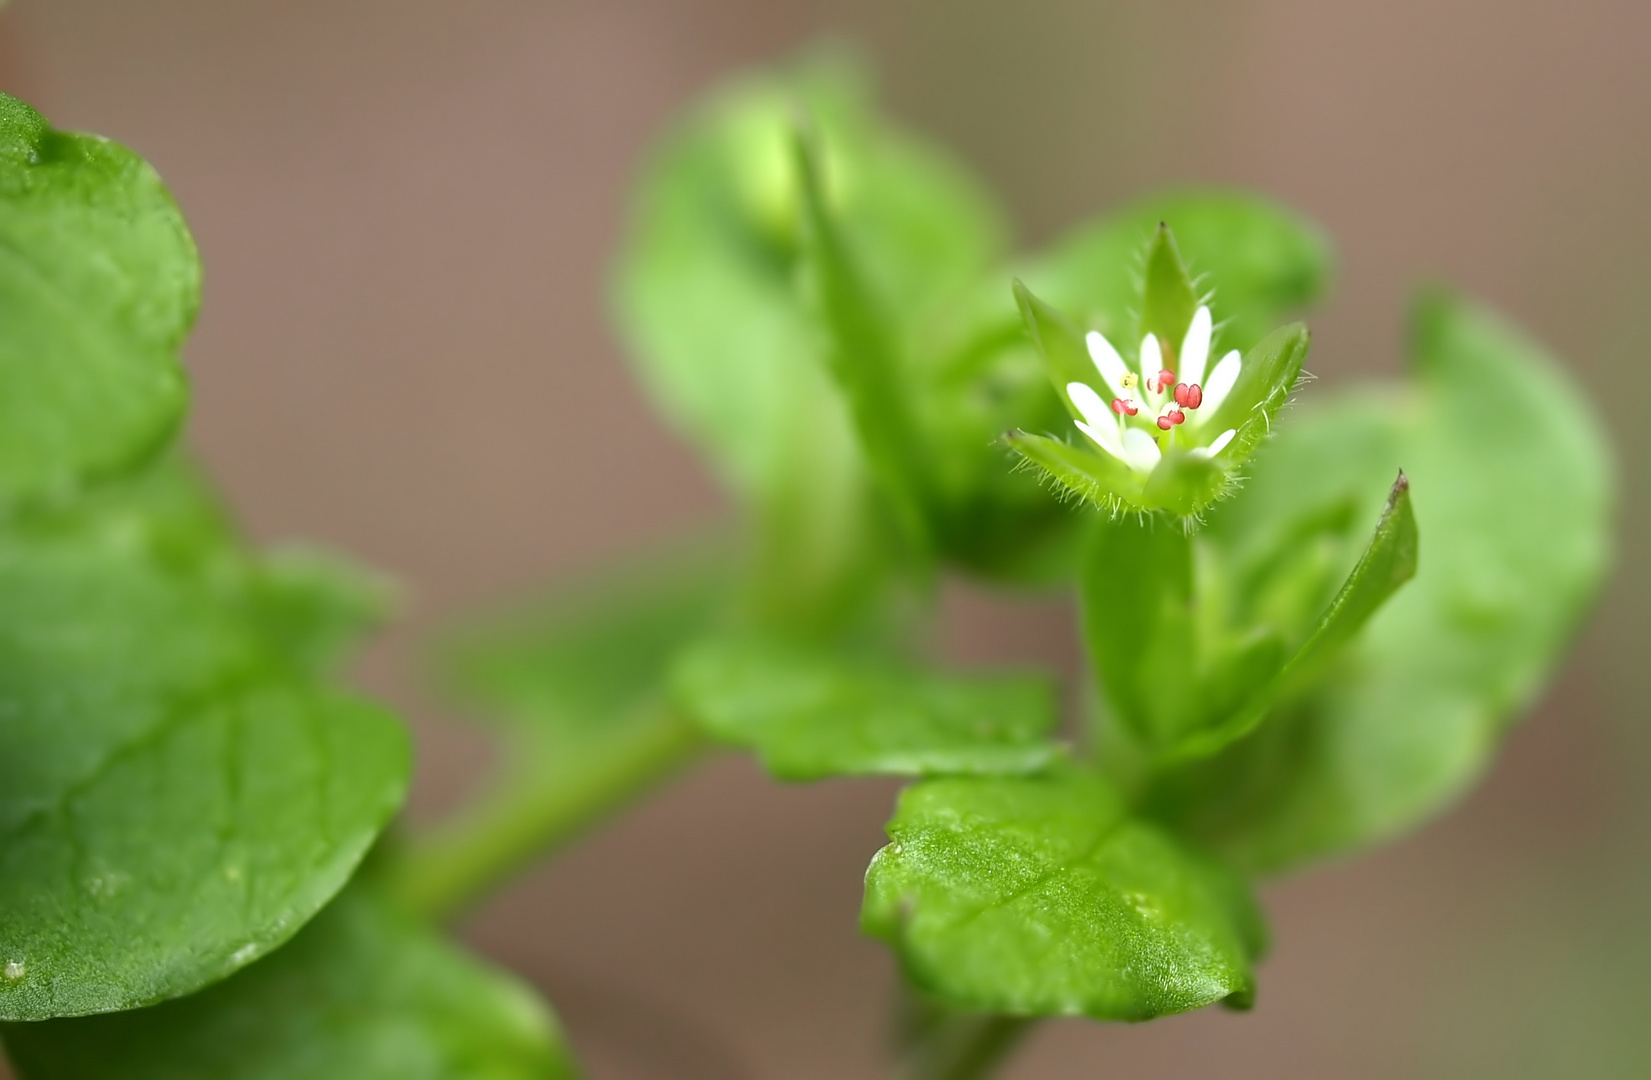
column 1259, row 261
column 362, row 993
column 1516, row 495
column 810, row 713
column 1041, row 896
column 177, row 794
column 863, row 349
column 99, row 282
column 320, row 604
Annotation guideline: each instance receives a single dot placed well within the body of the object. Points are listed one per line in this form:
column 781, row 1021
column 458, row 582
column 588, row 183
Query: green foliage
column 1045, row 897
column 177, row 791
column 1186, row 684
column 1517, row 503
column 363, row 993
column 810, row 713
column 99, row 282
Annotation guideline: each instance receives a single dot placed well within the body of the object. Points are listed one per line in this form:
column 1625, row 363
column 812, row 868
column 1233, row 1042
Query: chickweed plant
column 1309, row 618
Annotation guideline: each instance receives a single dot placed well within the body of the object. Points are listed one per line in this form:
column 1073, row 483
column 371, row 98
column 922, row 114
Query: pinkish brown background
column 406, row 210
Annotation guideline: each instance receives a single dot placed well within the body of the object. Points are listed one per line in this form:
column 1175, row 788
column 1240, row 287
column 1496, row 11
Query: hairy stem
column 536, row 805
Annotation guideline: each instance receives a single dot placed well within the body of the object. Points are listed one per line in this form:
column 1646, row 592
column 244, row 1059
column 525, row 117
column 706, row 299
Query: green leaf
column 863, row 351
column 1168, row 300
column 708, row 293
column 809, row 713
column 320, row 604
column 99, row 283
column 1387, row 564
column 1041, row 896
column 177, row 794
column 363, row 993
column 706, row 287
column 1517, row 493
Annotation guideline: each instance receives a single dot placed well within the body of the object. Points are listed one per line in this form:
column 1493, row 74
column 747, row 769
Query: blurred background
column 406, row 210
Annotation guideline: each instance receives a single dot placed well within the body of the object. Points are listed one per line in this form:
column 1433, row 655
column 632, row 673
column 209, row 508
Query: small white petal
column 1087, row 401
column 1195, row 349
column 1107, row 362
column 1152, row 357
column 1104, row 435
column 1140, row 450
column 1221, row 441
column 1220, row 384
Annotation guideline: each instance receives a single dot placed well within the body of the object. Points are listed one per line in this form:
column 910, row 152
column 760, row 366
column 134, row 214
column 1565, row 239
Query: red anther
column 1176, row 416
column 1165, row 423
column 1189, row 397
column 1162, row 381
column 1124, row 407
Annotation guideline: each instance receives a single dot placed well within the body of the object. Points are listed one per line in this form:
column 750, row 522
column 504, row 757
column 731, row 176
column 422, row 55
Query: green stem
column 535, row 807
column 964, row 1046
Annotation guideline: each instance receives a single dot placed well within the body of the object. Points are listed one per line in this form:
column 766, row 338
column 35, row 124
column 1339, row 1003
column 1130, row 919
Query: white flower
column 1155, row 396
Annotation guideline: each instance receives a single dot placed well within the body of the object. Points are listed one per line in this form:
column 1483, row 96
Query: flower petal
column 1104, row 435
column 1107, row 362
column 1093, row 407
column 1221, row 441
column 1140, row 450
column 1195, row 348
column 1152, row 357
column 1221, row 383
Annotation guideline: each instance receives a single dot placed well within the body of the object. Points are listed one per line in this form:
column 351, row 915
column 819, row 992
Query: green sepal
column 1168, row 299
column 809, row 712
column 1271, row 368
column 1042, row 896
column 1097, row 478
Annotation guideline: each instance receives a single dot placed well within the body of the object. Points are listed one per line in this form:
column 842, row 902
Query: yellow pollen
column 1129, row 380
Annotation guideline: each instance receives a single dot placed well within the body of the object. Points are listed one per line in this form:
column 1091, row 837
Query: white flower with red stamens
column 1149, row 403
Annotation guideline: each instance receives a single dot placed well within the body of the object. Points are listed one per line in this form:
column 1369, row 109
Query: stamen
column 1161, row 381
column 1129, row 381
column 1170, row 418
column 1189, row 397
column 1124, row 406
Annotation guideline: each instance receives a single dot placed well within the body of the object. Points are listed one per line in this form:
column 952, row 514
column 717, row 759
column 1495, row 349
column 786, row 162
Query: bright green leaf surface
column 1041, row 896
column 177, row 796
column 363, row 993
column 99, row 282
column 1516, row 497
column 809, row 713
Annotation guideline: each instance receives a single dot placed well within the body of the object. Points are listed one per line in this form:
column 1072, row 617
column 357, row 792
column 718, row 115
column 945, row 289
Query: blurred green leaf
column 177, row 794
column 863, row 351
column 99, row 282
column 1517, row 496
column 730, row 345
column 810, row 713
column 362, row 993
column 320, row 604
column 1041, row 896
column 1259, row 261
